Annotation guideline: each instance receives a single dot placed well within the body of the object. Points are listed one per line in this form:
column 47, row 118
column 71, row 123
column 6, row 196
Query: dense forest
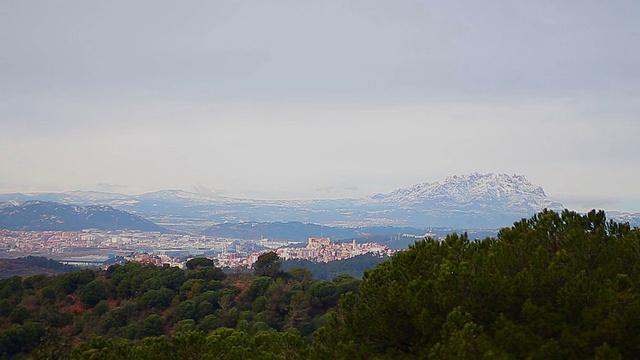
column 355, row 266
column 557, row 285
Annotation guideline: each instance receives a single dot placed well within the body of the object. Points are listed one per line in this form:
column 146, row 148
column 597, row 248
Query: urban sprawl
column 101, row 248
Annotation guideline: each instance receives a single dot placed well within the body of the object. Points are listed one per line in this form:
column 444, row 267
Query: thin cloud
column 207, row 192
column 112, row 187
column 331, row 189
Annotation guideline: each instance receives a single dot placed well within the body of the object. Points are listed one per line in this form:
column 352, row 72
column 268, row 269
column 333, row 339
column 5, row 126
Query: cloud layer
column 318, row 99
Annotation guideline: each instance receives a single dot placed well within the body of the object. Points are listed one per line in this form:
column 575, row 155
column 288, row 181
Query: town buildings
column 94, row 247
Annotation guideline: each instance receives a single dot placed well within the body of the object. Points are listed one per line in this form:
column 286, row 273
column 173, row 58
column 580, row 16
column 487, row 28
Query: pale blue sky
column 306, row 99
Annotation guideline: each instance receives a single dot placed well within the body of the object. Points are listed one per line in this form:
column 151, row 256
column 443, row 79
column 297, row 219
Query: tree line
column 556, row 285
column 134, row 303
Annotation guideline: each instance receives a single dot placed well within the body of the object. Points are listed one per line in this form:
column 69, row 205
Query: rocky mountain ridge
column 462, row 201
column 474, row 189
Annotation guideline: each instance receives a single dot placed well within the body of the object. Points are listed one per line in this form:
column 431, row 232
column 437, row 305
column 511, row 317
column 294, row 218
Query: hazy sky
column 311, row 99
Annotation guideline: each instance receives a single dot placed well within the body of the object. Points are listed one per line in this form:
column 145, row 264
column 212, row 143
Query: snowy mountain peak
column 470, row 200
column 503, row 184
column 482, row 191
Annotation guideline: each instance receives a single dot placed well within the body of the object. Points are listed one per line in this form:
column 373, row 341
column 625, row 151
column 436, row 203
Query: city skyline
column 320, row 100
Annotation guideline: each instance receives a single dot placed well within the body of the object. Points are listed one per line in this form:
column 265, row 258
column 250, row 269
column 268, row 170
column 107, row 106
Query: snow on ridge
column 489, row 189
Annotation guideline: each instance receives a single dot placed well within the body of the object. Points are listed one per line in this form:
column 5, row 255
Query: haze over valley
column 307, row 100
column 468, row 201
column 335, row 179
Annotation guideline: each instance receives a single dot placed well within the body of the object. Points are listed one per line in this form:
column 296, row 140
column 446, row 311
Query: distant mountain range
column 464, row 201
column 46, row 215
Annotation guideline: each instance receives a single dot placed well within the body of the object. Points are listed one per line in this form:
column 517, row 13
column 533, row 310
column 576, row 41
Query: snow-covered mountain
column 462, row 201
column 498, row 192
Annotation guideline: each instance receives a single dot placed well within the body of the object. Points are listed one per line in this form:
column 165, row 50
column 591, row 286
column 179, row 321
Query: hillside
column 128, row 304
column 32, row 265
column 355, row 266
column 45, row 215
column 555, row 285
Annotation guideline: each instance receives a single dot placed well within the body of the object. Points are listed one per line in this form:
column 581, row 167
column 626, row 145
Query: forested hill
column 355, row 266
column 125, row 304
column 557, row 285
column 33, row 265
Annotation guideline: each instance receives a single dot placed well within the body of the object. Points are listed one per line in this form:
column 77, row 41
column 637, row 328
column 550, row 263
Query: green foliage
column 133, row 280
column 6, row 307
column 268, row 264
column 558, row 285
column 553, row 286
column 19, row 314
column 209, row 323
column 346, row 283
column 199, row 262
column 102, row 307
column 104, row 348
column 259, row 286
column 324, row 293
column 157, row 299
column 354, row 267
column 220, row 344
column 153, row 325
column 207, row 273
column 93, row 293
column 10, row 287
column 69, row 283
column 187, row 309
column 190, row 345
column 20, row 338
column 33, row 266
column 142, row 303
column 302, row 277
column 54, row 345
column 185, row 325
column 47, row 263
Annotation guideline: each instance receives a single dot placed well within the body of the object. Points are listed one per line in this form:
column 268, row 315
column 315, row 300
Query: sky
column 320, row 99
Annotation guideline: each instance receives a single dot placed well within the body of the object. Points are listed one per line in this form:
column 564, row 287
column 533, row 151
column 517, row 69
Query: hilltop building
column 318, row 242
